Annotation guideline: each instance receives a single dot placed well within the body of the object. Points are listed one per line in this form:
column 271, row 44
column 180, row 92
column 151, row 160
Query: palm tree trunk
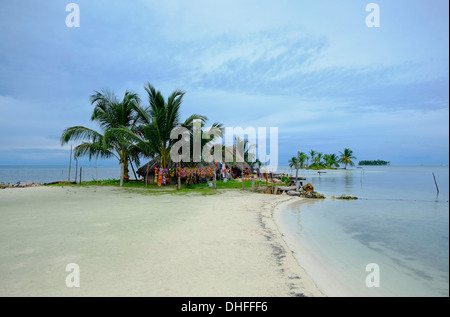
column 126, row 177
column 122, row 170
column 131, row 163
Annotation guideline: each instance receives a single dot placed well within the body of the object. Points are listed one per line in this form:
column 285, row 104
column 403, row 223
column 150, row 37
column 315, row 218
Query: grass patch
column 153, row 189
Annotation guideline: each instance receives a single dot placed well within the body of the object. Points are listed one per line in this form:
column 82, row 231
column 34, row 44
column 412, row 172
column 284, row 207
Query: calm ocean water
column 399, row 223
column 48, row 174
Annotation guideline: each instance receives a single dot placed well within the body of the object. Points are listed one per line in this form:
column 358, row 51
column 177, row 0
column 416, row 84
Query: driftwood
column 286, row 188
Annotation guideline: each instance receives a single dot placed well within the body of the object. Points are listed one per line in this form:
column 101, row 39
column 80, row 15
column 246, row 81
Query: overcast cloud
column 311, row 68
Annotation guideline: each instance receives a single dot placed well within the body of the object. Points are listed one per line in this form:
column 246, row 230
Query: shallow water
column 46, row 174
column 398, row 223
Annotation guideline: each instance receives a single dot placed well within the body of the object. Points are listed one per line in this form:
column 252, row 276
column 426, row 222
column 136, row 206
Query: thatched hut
column 235, row 167
column 149, row 169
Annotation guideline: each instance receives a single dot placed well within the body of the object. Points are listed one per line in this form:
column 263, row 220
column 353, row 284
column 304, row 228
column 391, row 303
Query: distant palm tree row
column 317, row 160
column 129, row 131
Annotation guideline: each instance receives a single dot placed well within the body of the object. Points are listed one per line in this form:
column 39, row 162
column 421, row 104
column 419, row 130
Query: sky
column 311, row 68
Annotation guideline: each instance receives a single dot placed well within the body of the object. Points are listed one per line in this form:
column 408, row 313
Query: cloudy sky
column 311, row 68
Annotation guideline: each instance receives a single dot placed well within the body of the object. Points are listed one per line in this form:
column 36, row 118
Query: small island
column 374, row 163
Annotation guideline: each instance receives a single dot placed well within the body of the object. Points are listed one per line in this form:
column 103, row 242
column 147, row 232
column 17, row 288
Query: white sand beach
column 127, row 243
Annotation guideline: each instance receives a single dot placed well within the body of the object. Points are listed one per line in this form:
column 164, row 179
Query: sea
column 11, row 174
column 392, row 241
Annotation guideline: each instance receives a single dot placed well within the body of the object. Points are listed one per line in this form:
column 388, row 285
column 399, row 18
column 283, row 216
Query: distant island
column 374, row 162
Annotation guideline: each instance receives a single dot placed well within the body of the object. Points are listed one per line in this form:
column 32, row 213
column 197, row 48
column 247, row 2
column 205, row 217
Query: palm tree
column 248, row 149
column 113, row 116
column 318, row 158
column 302, row 159
column 346, row 157
column 312, row 154
column 293, row 162
column 160, row 118
column 216, row 129
column 332, row 160
column 153, row 135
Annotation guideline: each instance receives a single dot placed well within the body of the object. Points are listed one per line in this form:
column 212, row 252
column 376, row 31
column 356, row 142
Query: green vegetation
column 139, row 186
column 129, row 131
column 317, row 160
column 374, row 162
column 286, row 180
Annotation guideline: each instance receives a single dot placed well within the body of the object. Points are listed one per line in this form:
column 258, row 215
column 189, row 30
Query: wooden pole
column 70, row 163
column 243, row 182
column 435, row 183
column 96, row 171
column 273, row 184
column 80, row 173
column 76, row 169
column 296, row 171
column 146, row 175
column 179, row 178
column 215, row 178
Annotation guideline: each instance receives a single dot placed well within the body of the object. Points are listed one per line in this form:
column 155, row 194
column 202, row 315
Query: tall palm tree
column 302, row 159
column 111, row 114
column 158, row 120
column 346, row 157
column 312, row 155
column 209, row 140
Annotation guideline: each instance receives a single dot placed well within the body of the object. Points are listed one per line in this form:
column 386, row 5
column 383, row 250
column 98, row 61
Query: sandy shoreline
column 132, row 244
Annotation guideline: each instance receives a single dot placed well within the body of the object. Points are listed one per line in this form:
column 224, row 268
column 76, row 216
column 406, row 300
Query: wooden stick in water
column 435, row 183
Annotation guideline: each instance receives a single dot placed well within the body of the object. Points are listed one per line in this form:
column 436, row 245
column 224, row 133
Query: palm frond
column 92, row 149
column 78, row 133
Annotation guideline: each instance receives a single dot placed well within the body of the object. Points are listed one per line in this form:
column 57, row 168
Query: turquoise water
column 399, row 223
column 47, row 174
